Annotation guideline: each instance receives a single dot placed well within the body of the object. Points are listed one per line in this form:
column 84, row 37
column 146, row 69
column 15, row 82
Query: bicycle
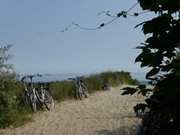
column 81, row 89
column 30, row 94
column 45, row 98
column 37, row 97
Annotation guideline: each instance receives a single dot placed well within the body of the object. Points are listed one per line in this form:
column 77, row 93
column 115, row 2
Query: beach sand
column 102, row 113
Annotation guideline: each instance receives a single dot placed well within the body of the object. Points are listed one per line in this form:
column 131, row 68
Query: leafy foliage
column 139, row 109
column 4, row 56
column 10, row 91
column 141, row 89
column 129, row 91
column 160, row 52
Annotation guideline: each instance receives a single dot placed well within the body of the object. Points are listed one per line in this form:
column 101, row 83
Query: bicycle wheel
column 48, row 101
column 34, row 106
column 33, row 103
column 33, row 100
column 85, row 93
column 80, row 92
column 40, row 99
column 26, row 98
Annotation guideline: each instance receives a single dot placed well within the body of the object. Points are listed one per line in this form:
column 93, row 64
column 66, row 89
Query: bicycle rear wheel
column 34, row 106
column 48, row 101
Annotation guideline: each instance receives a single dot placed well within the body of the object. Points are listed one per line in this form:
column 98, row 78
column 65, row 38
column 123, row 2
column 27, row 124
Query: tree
column 160, row 53
column 4, row 57
column 5, row 68
column 8, row 102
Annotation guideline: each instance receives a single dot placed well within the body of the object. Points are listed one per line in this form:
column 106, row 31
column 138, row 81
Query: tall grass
column 61, row 90
column 13, row 110
column 66, row 89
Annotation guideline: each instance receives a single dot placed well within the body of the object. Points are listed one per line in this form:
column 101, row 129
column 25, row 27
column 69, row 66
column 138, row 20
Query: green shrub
column 61, row 90
column 93, row 83
column 10, row 111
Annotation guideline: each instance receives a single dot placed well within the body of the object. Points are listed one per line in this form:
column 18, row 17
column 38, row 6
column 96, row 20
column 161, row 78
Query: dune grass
column 14, row 112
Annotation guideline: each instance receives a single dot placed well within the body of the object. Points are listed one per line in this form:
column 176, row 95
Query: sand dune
column 102, row 113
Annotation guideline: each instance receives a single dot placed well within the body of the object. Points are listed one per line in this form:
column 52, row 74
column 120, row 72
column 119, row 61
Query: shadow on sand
column 134, row 130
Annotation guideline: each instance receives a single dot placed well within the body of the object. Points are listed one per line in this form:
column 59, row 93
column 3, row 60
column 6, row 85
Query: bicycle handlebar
column 31, row 78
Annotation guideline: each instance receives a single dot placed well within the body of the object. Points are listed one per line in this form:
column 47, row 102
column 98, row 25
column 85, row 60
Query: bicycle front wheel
column 80, row 92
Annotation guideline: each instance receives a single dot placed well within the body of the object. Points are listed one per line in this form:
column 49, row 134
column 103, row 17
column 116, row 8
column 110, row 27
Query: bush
column 61, row 90
column 10, row 112
column 93, row 83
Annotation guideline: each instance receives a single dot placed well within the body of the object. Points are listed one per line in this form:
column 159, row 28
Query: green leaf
column 124, row 15
column 144, row 92
column 120, row 14
column 153, row 72
column 139, row 58
column 102, row 25
column 136, row 14
column 157, row 25
column 140, row 107
column 129, row 91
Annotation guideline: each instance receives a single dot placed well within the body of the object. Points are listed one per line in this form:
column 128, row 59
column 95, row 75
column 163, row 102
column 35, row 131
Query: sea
column 65, row 76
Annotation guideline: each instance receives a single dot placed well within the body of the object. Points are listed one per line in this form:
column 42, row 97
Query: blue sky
column 33, row 27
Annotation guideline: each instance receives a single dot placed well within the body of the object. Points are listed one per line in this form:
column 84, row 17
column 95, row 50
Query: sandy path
column 102, row 113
